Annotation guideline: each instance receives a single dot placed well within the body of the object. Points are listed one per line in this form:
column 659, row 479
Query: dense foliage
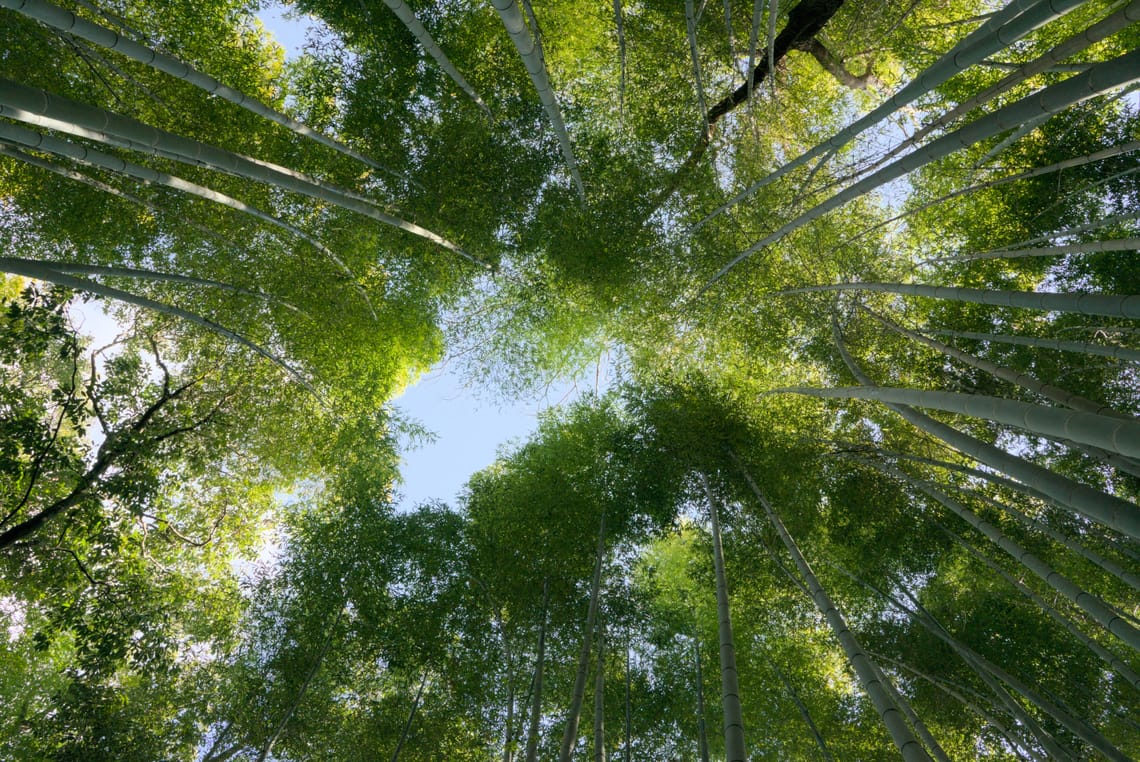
column 870, row 271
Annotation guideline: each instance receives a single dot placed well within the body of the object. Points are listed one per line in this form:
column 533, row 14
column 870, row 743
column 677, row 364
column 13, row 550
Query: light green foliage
column 202, row 558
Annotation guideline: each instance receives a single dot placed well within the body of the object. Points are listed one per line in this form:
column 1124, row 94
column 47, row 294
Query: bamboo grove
column 865, row 488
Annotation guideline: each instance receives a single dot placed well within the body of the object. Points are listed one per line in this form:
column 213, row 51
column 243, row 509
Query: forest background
column 866, row 275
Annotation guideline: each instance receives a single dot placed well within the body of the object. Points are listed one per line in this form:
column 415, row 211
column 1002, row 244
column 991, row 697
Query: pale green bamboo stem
column 735, row 750
column 535, row 66
column 1038, row 342
column 869, row 678
column 1091, row 604
column 1108, row 657
column 35, row 106
column 1119, row 71
column 1107, row 509
column 996, row 33
column 66, row 21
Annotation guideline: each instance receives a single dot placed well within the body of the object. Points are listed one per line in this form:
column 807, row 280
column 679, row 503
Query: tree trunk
column 531, row 52
column 702, row 727
column 66, row 21
column 405, row 14
column 1024, row 380
column 804, row 713
column 570, row 734
column 599, row 698
column 998, row 32
column 1115, row 434
column 868, row 676
column 1092, row 605
column 536, row 698
column 734, row 749
column 1108, row 657
column 1107, row 509
column 1093, row 557
column 1038, row 342
column 411, row 717
column 628, row 712
column 1105, row 76
column 805, row 21
column 35, row 106
column 296, row 702
column 92, row 158
column 1108, row 305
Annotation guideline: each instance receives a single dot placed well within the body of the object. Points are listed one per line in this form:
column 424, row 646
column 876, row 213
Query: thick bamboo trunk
column 996, row 33
column 1120, row 71
column 1108, row 305
column 734, row 749
column 35, row 106
column 869, row 677
column 976, row 663
column 536, row 697
column 1018, row 378
column 1115, row 434
column 532, row 58
column 66, row 21
column 1107, row 509
column 574, row 713
column 1092, row 605
column 405, row 14
column 1113, row 568
column 1108, row 657
column 92, row 158
column 1038, row 342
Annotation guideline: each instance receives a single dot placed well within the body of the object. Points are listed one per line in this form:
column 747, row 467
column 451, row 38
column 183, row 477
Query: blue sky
column 468, row 430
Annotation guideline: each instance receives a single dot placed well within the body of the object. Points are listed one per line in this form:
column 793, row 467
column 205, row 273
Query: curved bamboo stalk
column 1077, row 43
column 1091, row 604
column 1017, row 378
column 41, row 271
column 997, row 32
column 985, row 671
column 1108, row 657
column 140, row 274
column 1109, row 510
column 79, row 177
column 955, row 692
column 416, row 27
column 573, row 714
column 66, row 21
column 1119, row 71
column 1039, row 342
column 1087, row 247
column 92, row 158
column 34, row 106
column 531, row 55
column 1113, row 434
column 869, row 678
column 1088, row 554
column 1077, row 161
column 734, row 748
column 1108, row 305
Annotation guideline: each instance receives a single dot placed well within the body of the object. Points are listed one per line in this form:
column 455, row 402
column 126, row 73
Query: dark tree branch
column 805, row 21
column 836, row 68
